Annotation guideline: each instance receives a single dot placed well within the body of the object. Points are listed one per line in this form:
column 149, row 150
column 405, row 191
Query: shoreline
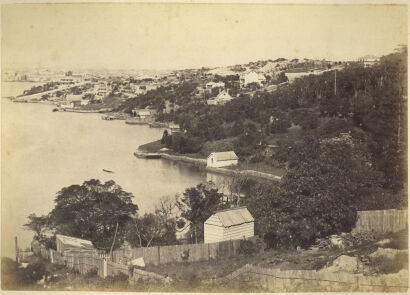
column 202, row 164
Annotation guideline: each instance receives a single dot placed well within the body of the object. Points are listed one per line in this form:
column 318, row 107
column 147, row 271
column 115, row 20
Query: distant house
column 143, row 113
column 67, row 105
column 222, row 98
column 230, row 224
column 211, row 85
column 66, row 243
column 74, row 97
column 369, row 60
column 252, row 77
column 174, row 128
column 222, row 159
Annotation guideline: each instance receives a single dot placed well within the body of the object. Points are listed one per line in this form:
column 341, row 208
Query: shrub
column 247, row 247
column 91, row 273
column 385, row 265
column 34, row 272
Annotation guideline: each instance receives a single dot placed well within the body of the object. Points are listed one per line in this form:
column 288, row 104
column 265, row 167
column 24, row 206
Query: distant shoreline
column 152, row 148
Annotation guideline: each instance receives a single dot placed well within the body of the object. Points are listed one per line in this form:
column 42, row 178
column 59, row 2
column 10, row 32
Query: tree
column 42, row 227
column 197, row 204
column 147, row 228
column 93, row 211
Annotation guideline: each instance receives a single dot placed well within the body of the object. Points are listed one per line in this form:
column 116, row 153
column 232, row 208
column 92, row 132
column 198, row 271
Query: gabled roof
column 224, row 156
column 234, row 216
column 75, row 242
column 74, row 97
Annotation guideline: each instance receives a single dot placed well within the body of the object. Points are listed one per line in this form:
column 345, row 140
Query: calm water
column 43, row 151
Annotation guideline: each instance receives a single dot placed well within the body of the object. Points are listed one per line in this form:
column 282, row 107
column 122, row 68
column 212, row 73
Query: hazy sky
column 164, row 36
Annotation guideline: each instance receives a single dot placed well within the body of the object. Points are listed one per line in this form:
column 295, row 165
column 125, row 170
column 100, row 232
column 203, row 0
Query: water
column 43, row 151
column 16, row 88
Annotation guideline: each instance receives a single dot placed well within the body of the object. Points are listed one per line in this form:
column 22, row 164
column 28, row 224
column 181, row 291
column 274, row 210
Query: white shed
column 230, row 224
column 222, row 159
column 65, row 243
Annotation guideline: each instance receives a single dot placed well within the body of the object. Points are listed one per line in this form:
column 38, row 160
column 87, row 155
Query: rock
column 383, row 242
column 386, row 252
column 138, row 262
column 343, row 263
column 336, row 241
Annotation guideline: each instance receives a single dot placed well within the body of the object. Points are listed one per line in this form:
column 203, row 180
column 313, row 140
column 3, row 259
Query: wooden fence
column 172, row 254
column 85, row 261
column 277, row 280
column 381, row 221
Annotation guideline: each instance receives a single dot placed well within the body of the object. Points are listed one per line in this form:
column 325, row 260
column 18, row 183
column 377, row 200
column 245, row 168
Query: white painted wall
column 214, row 231
column 211, row 162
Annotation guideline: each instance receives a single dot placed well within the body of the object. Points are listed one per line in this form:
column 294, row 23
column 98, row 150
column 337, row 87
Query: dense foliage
column 197, row 204
column 92, row 211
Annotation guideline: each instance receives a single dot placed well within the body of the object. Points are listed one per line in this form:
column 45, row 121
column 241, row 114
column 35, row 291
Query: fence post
column 51, row 255
column 159, row 255
column 357, row 284
column 105, row 270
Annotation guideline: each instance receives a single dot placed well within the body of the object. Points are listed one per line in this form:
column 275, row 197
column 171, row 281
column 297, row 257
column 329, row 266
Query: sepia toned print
column 160, row 147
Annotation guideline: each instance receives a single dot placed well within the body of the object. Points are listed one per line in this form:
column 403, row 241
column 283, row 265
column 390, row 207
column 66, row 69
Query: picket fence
column 85, row 261
column 276, row 280
column 381, row 221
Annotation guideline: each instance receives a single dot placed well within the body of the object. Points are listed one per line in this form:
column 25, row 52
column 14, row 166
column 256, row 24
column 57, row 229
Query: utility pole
column 335, row 82
column 17, row 249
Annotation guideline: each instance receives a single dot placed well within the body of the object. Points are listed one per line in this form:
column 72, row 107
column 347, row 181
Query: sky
column 178, row 36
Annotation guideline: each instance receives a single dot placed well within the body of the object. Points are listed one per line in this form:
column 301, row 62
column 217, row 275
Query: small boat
column 136, row 121
column 55, row 110
column 108, row 171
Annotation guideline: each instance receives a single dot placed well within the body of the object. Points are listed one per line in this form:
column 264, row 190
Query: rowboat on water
column 108, row 171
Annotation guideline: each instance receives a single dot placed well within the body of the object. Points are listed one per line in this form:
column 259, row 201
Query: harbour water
column 44, row 151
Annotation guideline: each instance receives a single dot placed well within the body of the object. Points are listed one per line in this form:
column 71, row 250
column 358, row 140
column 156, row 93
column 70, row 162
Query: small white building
column 65, row 243
column 67, row 105
column 252, row 77
column 221, row 159
column 222, row 98
column 230, row 224
column 85, row 102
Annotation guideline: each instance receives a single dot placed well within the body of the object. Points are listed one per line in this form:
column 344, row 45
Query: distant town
column 105, row 91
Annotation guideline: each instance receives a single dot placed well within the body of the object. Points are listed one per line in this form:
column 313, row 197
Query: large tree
column 93, row 211
column 197, row 204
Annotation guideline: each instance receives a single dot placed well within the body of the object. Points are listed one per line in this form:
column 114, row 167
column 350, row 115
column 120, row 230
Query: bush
column 385, row 265
column 248, row 247
column 92, row 273
column 34, row 272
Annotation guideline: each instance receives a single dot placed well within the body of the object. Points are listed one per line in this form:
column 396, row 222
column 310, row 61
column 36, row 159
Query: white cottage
column 230, row 224
column 221, row 159
column 65, row 243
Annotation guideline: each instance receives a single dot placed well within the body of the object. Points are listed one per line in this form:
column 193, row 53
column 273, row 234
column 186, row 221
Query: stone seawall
column 225, row 171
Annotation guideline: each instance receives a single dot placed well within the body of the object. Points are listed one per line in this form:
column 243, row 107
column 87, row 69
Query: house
column 174, row 128
column 369, row 60
column 67, row 105
column 85, row 102
column 252, row 77
column 142, row 113
column 230, row 224
column 211, row 85
column 222, row 98
column 222, row 159
column 66, row 243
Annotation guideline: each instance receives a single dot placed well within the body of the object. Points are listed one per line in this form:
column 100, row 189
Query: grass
column 152, row 147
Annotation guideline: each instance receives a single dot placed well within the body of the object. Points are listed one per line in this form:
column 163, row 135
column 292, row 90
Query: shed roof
column 224, row 156
column 235, row 216
column 75, row 242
